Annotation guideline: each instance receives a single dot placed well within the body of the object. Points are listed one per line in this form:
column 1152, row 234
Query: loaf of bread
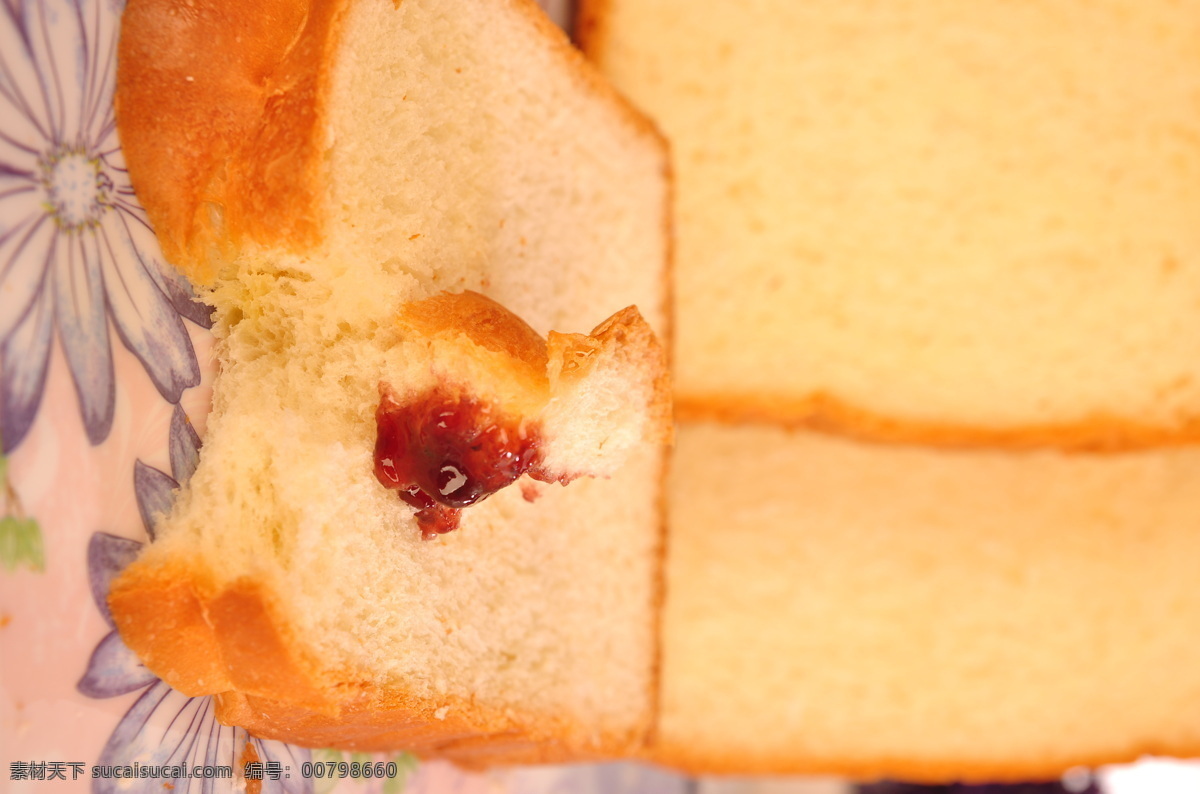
column 390, row 206
column 968, row 226
column 927, row 220
column 869, row 611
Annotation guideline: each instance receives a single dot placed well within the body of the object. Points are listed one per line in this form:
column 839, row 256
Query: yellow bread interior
column 459, row 144
column 867, row 610
column 930, row 220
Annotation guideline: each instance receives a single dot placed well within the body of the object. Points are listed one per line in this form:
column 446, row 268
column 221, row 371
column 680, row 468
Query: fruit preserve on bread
column 447, row 450
column 486, row 400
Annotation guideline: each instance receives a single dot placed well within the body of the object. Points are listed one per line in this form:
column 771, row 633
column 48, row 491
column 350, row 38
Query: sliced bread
column 868, row 611
column 929, row 220
column 325, row 171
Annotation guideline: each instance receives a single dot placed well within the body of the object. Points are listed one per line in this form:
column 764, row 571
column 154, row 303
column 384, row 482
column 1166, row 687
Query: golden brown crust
column 484, row 322
column 165, row 621
column 536, row 367
column 591, row 32
column 227, row 149
column 966, row 770
column 365, row 721
column 233, row 641
column 825, row 413
column 385, row 721
column 660, row 596
column 203, row 639
column 668, row 278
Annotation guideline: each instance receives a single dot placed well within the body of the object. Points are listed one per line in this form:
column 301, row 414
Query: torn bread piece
column 344, row 181
column 498, row 403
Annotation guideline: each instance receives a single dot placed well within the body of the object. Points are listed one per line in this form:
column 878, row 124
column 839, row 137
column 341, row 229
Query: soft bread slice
column 929, row 221
column 324, row 171
column 868, row 611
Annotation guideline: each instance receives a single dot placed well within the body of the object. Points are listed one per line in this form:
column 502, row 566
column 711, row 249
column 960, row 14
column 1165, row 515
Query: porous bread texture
column 590, row 398
column 317, row 166
column 929, row 221
column 861, row 610
column 610, row 392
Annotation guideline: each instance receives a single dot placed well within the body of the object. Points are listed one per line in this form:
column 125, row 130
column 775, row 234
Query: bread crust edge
column 240, row 125
column 825, row 413
column 232, row 640
column 591, row 32
column 932, row 771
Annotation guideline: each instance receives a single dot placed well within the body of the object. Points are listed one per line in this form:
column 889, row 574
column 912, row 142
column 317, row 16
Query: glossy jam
column 444, row 451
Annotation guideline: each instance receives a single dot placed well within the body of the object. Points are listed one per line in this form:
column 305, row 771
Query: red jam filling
column 444, row 451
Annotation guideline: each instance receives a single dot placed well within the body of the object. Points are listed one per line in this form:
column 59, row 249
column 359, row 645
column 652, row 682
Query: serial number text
column 352, row 769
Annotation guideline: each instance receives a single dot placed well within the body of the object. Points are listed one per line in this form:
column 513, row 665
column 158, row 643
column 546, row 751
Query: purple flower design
column 76, row 248
column 164, row 727
column 609, row 778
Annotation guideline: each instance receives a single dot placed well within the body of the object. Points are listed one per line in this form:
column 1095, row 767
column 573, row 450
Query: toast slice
column 845, row 608
column 929, row 222
column 949, row 224
column 391, row 206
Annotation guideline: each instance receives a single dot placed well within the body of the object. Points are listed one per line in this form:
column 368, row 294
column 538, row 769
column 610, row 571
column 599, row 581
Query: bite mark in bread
column 331, row 162
column 443, row 448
